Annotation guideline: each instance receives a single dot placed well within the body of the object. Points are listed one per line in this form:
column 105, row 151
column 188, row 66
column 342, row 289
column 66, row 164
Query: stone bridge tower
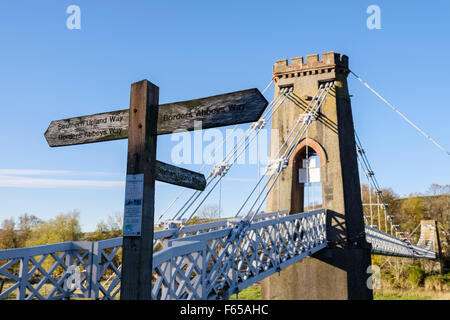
column 339, row 271
column 429, row 238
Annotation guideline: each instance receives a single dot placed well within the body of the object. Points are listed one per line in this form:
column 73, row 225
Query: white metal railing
column 386, row 244
column 160, row 237
column 41, row 272
column 206, row 261
column 235, row 258
column 210, row 260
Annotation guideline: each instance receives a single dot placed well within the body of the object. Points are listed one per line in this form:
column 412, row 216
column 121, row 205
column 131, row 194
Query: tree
column 64, row 227
column 27, row 224
column 15, row 235
column 412, row 211
column 439, row 203
column 112, row 228
column 9, row 236
column 210, row 211
column 390, row 198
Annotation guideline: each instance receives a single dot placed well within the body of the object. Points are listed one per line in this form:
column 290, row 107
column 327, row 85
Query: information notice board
column 134, row 190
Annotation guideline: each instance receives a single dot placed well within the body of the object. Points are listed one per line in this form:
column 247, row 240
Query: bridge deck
column 206, row 261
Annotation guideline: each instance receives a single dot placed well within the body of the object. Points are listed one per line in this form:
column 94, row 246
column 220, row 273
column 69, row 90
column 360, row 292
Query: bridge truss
column 206, row 261
column 386, row 244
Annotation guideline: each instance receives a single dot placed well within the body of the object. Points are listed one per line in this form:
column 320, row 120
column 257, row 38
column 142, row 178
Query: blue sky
column 193, row 49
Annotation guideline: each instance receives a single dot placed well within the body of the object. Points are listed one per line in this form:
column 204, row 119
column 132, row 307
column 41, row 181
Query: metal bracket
column 220, row 169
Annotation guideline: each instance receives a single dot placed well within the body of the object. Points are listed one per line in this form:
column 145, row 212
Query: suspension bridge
column 324, row 246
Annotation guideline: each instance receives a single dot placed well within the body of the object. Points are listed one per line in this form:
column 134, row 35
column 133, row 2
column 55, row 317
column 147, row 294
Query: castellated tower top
column 331, row 63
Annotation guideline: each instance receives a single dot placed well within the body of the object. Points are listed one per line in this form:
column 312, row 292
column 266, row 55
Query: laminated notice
column 134, row 190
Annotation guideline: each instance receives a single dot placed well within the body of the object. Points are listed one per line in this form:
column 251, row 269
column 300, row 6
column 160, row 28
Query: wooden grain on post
column 137, row 252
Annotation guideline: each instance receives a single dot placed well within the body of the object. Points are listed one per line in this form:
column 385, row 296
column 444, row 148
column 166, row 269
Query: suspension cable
column 246, row 141
column 373, row 182
column 289, row 151
column 317, row 97
column 214, row 186
column 310, row 117
column 401, row 114
column 275, row 156
column 267, row 87
column 196, row 194
column 213, row 154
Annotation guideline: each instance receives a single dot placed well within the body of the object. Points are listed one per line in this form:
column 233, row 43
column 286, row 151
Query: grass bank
column 254, row 293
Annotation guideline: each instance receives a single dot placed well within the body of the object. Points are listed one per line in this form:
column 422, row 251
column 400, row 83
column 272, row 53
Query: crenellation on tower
column 331, row 62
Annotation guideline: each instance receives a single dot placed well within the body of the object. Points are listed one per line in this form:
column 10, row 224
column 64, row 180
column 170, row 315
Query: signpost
column 141, row 124
column 221, row 110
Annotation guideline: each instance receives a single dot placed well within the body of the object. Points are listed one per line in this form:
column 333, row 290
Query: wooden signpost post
column 141, row 124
